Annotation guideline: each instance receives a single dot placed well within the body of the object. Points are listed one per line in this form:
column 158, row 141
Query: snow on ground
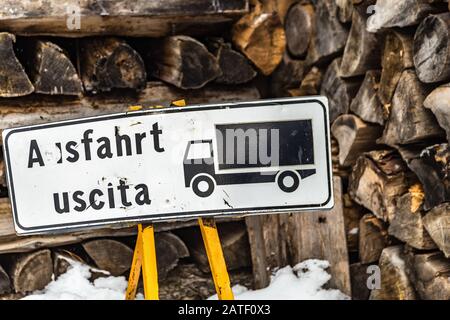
column 75, row 285
column 303, row 282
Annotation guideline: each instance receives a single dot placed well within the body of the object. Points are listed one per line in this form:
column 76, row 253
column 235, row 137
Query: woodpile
column 385, row 70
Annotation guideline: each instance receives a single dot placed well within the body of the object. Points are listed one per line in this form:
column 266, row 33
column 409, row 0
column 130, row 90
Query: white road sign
column 159, row 164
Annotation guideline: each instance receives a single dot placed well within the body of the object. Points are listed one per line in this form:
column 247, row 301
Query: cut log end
column 14, row 81
column 431, row 48
column 108, row 63
column 53, row 71
column 354, row 137
column 299, row 27
column 109, row 255
column 31, row 271
column 183, row 62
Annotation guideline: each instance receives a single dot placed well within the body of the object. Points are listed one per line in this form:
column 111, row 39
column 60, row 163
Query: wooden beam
column 309, row 236
column 38, row 109
column 139, row 18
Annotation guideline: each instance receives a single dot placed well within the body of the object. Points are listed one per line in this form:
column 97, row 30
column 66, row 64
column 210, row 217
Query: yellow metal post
column 136, row 265
column 149, row 267
column 216, row 259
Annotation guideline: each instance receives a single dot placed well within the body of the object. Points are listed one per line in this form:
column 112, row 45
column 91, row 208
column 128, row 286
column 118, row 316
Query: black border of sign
column 162, row 216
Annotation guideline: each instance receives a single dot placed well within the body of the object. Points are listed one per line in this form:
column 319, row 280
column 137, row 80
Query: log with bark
column 397, row 56
column 362, row 50
column 437, row 223
column 234, row 242
column 288, row 75
column 31, row 271
column 432, row 48
column 35, row 110
column 310, row 85
column 260, row 36
column 405, row 13
column 438, row 101
column 409, row 122
column 299, row 28
column 432, row 167
column 359, row 276
column 395, row 284
column 235, row 68
column 5, row 283
column 75, row 18
column 339, row 91
column 408, row 222
column 14, row 81
column 345, row 9
column 373, row 238
column 62, row 260
column 182, row 61
column 377, row 180
column 109, row 255
column 366, row 104
column 50, row 68
column 170, row 249
column 329, row 36
column 430, row 274
column 354, row 137
column 109, row 63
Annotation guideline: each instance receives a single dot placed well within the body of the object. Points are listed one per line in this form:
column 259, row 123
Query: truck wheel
column 203, row 186
column 288, row 181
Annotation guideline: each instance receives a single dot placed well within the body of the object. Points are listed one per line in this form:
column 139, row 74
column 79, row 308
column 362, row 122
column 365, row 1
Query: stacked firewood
column 385, row 70
column 384, row 66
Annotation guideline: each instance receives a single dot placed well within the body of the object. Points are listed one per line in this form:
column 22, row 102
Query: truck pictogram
column 261, row 152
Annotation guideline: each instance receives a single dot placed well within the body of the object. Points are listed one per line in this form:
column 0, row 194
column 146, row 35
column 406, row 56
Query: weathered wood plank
column 35, row 110
column 310, row 234
column 120, row 17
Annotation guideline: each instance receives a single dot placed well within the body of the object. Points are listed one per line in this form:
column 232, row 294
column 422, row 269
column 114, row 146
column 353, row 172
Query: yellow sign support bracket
column 144, row 257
